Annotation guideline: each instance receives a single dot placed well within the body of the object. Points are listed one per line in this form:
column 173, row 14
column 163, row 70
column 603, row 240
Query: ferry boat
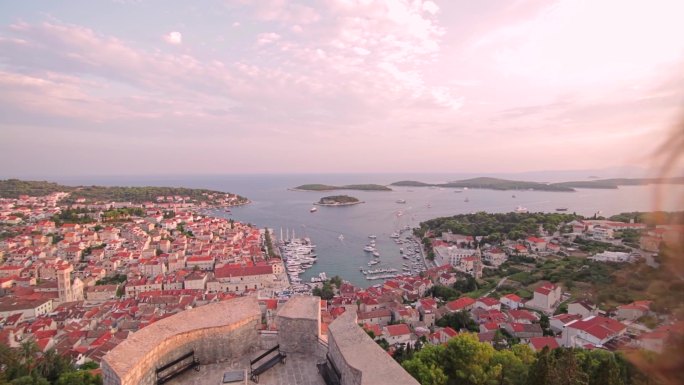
column 521, row 209
column 313, row 210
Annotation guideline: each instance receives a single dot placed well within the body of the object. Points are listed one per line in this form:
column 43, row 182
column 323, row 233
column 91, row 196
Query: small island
column 325, row 187
column 338, row 200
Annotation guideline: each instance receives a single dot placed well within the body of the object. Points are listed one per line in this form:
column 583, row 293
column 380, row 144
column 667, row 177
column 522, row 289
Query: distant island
column 14, row 188
column 504, row 184
column 325, row 187
column 338, row 200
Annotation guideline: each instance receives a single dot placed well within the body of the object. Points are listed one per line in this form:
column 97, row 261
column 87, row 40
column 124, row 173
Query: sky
column 274, row 86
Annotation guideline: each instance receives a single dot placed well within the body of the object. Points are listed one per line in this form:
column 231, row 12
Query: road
column 501, row 282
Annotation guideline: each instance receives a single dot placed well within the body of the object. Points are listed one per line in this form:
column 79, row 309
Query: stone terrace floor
column 298, row 369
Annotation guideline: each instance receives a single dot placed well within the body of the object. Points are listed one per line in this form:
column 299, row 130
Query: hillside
column 489, row 183
column 505, row 184
column 359, row 187
column 12, row 188
column 338, row 200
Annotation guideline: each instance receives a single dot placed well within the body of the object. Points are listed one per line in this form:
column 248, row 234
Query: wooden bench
column 329, row 371
column 262, row 363
column 177, row 366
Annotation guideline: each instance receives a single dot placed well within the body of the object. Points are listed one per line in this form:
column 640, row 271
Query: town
column 79, row 278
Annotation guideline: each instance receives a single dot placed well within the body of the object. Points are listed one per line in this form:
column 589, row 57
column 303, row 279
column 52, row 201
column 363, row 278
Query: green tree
column 427, row 366
column 337, row 281
column 79, row 378
column 458, row 320
column 30, row 380
column 467, row 361
column 51, row 365
column 543, row 372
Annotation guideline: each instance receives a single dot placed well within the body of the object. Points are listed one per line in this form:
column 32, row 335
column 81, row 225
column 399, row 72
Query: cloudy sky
column 177, row 87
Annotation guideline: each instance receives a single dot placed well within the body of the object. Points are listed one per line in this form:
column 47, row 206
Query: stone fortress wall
column 216, row 332
column 227, row 330
column 359, row 359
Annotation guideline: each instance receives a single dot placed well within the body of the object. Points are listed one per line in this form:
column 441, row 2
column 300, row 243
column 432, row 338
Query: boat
column 402, row 201
column 513, row 196
column 562, row 209
column 395, row 235
column 372, row 236
column 376, row 254
column 341, row 237
column 521, row 209
column 373, row 262
column 369, row 249
column 313, row 210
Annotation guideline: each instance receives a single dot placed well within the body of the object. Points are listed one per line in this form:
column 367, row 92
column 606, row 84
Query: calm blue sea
column 274, row 206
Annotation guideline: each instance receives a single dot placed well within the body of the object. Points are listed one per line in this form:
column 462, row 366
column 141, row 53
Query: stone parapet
column 299, row 325
column 216, row 332
column 359, row 359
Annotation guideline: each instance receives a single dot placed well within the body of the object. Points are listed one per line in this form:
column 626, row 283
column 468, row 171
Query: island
column 504, row 184
column 325, row 187
column 338, row 200
column 88, row 195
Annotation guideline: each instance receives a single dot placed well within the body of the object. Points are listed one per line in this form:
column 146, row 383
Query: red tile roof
column 398, row 330
column 540, row 342
column 460, row 304
column 599, row 327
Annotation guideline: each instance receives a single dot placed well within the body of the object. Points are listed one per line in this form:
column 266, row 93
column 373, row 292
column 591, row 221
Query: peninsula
column 14, row 188
column 504, row 184
column 325, row 187
column 338, row 200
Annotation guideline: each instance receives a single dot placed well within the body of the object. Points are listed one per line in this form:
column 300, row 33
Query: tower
column 64, row 282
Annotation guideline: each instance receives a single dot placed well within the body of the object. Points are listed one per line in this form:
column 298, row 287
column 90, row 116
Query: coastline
column 338, row 204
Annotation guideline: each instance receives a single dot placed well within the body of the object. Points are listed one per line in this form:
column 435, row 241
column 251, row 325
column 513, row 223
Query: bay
column 276, row 207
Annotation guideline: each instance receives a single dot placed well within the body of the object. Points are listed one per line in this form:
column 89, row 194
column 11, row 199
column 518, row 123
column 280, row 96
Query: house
column 29, row 308
column 495, row 256
column 397, row 334
column 197, row 280
column 522, row 316
column 442, row 336
column 101, row 293
column 201, row 262
column 658, row 339
column 536, row 244
column 523, row 331
column 381, row 317
column 546, row 298
column 488, row 303
column 583, row 308
column 463, row 303
column 560, row 321
column 633, row 311
column 426, row 307
column 512, row 301
column 539, row 343
column 593, row 331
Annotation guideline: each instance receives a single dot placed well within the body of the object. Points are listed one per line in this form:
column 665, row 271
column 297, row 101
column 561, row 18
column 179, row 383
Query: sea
column 340, row 233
